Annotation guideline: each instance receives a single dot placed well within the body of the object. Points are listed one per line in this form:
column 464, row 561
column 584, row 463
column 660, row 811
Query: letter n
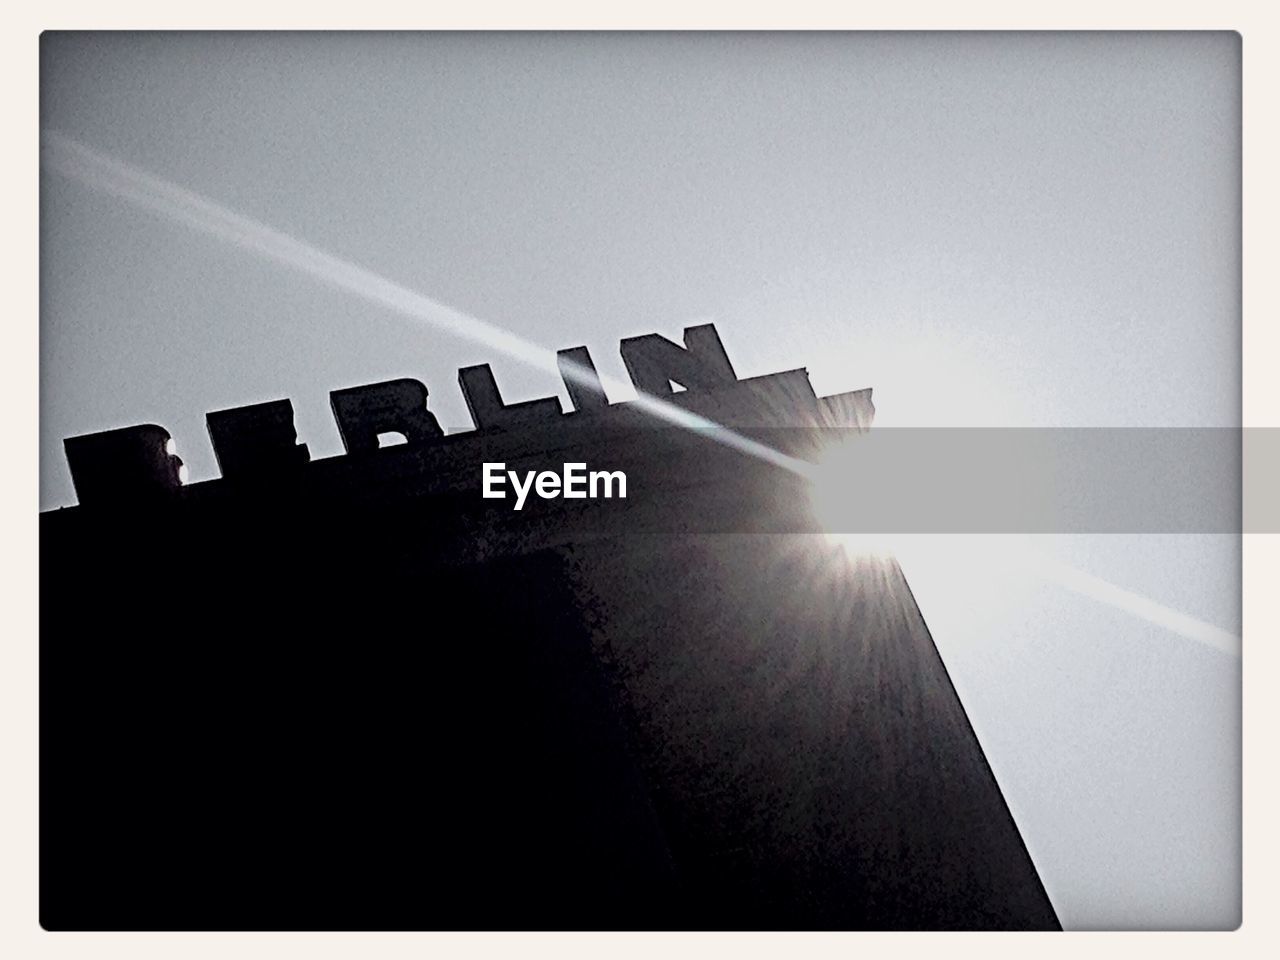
column 654, row 362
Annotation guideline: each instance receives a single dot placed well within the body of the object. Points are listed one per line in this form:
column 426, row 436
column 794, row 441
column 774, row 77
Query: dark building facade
column 354, row 694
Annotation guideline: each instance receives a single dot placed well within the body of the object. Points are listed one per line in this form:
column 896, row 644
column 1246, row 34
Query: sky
column 987, row 229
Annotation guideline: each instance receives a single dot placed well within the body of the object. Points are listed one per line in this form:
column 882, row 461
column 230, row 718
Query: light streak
column 117, row 178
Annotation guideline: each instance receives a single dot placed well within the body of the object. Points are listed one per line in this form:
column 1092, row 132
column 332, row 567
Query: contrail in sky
column 74, row 159
column 1005, row 560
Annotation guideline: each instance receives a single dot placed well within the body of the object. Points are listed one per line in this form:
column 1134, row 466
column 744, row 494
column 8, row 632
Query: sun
column 837, row 500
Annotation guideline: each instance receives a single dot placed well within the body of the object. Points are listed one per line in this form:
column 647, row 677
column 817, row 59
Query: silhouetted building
column 354, row 694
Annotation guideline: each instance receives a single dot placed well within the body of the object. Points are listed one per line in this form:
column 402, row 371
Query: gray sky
column 986, row 229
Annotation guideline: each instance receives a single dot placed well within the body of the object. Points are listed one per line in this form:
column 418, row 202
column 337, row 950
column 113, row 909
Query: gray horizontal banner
column 1047, row 480
column 978, row 480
